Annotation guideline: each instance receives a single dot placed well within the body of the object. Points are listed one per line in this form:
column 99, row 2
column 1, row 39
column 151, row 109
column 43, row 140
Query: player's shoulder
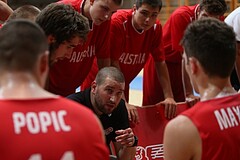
column 121, row 15
column 181, row 124
column 184, row 11
column 74, row 3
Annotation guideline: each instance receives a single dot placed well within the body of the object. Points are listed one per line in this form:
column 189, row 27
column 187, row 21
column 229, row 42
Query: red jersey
column 132, row 48
column 66, row 75
column 49, row 128
column 218, row 123
column 174, row 29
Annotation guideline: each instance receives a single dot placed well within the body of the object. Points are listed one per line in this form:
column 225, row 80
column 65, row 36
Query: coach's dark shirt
column 112, row 122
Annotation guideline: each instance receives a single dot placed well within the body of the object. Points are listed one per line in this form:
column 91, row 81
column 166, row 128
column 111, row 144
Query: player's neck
column 220, row 88
column 86, row 9
column 136, row 27
column 21, row 86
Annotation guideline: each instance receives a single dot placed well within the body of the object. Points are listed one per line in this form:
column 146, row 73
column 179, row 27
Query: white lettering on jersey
column 79, row 56
column 40, row 122
column 68, row 155
column 229, row 117
column 127, row 58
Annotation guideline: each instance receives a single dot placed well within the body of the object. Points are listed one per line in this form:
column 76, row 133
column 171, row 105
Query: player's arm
column 181, row 140
column 102, row 45
column 163, row 76
column 179, row 24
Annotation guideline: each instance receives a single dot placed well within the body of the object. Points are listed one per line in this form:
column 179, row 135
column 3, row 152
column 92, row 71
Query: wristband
column 135, row 141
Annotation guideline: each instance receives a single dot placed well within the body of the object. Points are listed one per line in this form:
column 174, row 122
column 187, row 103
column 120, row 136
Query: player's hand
column 125, row 137
column 192, row 100
column 132, row 113
column 169, row 107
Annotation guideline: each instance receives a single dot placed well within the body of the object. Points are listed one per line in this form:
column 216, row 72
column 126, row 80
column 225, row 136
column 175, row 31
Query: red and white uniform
column 132, row 48
column 218, row 124
column 173, row 32
column 66, row 75
column 49, row 128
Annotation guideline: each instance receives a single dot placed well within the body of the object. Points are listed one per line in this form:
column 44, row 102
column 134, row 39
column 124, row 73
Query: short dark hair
column 214, row 7
column 118, row 2
column 213, row 44
column 109, row 72
column 22, row 41
column 152, row 3
column 62, row 22
column 24, row 12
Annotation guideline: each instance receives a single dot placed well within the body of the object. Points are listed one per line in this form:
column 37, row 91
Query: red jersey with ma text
column 49, row 128
column 218, row 123
column 66, row 75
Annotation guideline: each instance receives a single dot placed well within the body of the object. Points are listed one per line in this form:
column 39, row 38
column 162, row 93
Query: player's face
column 204, row 14
column 145, row 16
column 108, row 95
column 102, row 10
column 65, row 49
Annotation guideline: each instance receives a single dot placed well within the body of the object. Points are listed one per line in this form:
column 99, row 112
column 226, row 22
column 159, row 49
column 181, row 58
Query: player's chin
column 146, row 27
column 98, row 21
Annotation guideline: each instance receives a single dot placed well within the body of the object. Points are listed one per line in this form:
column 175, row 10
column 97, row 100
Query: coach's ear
column 93, row 87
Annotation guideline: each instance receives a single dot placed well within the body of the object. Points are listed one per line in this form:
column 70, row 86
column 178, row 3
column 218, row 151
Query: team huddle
column 45, row 55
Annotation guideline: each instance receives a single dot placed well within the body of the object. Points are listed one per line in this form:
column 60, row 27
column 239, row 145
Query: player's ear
column 194, row 65
column 51, row 39
column 44, row 62
column 91, row 2
column 43, row 68
column 134, row 8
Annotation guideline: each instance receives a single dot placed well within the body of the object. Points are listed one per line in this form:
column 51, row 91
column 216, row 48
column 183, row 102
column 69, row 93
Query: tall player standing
column 172, row 34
